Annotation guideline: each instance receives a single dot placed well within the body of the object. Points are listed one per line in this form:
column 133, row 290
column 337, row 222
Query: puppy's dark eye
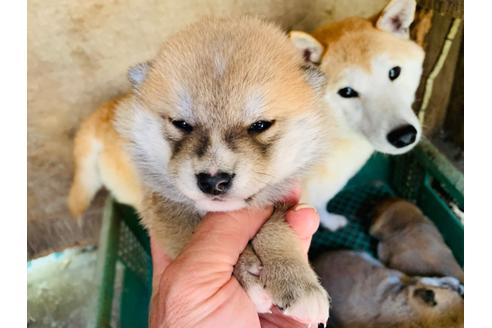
column 348, row 92
column 182, row 125
column 260, row 126
column 394, row 73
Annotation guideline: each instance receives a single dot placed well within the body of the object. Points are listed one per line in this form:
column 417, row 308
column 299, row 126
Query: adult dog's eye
column 394, row 73
column 348, row 92
column 182, row 125
column 260, row 126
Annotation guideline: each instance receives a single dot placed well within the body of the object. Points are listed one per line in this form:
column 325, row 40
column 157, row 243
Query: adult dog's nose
column 403, row 136
column 217, row 184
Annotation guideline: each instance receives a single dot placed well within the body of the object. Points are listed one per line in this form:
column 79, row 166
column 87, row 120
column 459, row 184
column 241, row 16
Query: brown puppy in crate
column 410, row 242
column 226, row 116
column 365, row 294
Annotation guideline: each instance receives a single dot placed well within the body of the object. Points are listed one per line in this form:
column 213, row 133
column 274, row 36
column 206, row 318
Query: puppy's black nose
column 214, row 184
column 403, row 136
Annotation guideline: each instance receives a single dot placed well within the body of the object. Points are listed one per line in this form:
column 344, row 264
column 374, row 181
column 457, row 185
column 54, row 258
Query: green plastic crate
column 423, row 176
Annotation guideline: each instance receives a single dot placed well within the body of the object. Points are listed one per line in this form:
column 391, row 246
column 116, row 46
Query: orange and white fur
column 101, row 159
column 373, row 70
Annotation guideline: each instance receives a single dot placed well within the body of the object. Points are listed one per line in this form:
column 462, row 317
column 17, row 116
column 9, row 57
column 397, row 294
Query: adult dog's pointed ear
column 310, row 49
column 397, row 17
column 137, row 73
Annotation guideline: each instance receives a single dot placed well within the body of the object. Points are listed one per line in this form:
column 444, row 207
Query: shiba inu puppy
column 366, row 294
column 101, row 159
column 226, row 116
column 410, row 242
column 373, row 71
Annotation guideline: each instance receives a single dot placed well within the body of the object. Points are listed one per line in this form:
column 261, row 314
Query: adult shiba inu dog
column 373, row 70
column 364, row 293
column 226, row 116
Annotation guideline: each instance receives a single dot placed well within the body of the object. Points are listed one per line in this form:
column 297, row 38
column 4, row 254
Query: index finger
column 304, row 220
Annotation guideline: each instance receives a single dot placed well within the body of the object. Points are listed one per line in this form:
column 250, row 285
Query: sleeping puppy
column 364, row 293
column 409, row 242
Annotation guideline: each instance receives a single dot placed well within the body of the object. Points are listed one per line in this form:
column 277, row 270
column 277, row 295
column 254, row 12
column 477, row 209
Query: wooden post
column 453, row 124
column 439, row 68
column 450, row 8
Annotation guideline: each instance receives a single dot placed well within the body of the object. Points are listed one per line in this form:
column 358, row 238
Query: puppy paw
column 332, row 222
column 260, row 297
column 247, row 271
column 296, row 291
column 311, row 308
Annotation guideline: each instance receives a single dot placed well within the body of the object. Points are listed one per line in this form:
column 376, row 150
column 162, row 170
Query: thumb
column 222, row 236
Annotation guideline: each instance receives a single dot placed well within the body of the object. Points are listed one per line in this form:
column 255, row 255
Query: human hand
column 198, row 288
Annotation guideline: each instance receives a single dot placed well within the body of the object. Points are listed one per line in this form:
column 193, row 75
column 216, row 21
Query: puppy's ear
column 381, row 215
column 426, row 295
column 397, row 17
column 310, row 49
column 137, row 73
column 315, row 78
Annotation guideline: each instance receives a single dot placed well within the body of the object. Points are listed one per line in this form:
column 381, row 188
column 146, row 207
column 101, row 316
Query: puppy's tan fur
column 220, row 76
column 410, row 242
column 366, row 294
column 101, row 159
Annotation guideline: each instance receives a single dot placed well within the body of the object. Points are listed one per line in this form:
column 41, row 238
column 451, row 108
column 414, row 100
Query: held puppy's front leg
column 171, row 224
column 285, row 275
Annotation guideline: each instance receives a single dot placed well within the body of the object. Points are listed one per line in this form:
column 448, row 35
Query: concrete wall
column 78, row 53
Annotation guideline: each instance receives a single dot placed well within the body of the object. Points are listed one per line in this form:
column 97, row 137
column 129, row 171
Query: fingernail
column 300, row 206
